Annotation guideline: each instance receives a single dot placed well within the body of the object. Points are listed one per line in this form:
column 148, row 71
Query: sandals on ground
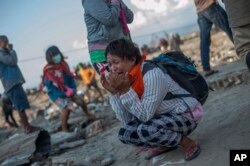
column 195, row 151
column 140, row 149
column 153, row 152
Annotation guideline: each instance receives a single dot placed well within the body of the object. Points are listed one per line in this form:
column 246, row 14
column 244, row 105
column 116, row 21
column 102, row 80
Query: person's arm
column 129, row 13
column 92, row 74
column 155, row 89
column 8, row 58
column 121, row 113
column 72, row 83
column 53, row 91
column 98, row 9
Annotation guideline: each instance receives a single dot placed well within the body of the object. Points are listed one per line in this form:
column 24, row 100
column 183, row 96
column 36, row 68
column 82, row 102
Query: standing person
column 12, row 80
column 87, row 74
column 239, row 20
column 61, row 86
column 8, row 108
column 163, row 45
column 106, row 20
column 138, row 101
column 210, row 12
column 175, row 42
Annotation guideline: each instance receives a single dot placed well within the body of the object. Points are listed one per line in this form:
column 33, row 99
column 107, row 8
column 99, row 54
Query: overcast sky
column 33, row 25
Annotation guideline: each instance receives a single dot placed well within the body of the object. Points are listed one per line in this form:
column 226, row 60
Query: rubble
column 24, row 148
column 108, row 161
column 62, row 137
column 95, row 143
column 71, row 145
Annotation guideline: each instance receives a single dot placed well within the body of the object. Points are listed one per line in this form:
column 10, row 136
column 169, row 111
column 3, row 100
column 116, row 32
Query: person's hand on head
column 9, row 46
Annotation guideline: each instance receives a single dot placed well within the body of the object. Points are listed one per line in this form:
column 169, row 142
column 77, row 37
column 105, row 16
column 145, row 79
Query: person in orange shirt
column 87, row 74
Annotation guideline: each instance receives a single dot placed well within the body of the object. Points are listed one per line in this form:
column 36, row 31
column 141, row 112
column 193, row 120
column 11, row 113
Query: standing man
column 12, row 80
column 106, row 20
column 210, row 12
column 239, row 20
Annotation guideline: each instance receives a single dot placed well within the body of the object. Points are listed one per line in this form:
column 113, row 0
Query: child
column 61, row 86
column 8, row 108
column 87, row 74
column 12, row 80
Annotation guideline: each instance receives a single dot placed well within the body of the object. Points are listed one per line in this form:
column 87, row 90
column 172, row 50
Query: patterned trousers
column 163, row 130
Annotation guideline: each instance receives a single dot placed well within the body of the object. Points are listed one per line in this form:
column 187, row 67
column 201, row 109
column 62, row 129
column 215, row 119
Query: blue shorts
column 19, row 98
column 62, row 103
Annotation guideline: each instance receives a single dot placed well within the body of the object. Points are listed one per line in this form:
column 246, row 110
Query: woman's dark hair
column 124, row 49
column 50, row 52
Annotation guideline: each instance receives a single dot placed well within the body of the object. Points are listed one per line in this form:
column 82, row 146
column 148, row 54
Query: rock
column 91, row 106
column 72, row 144
column 108, row 161
column 92, row 129
column 25, row 148
column 62, row 137
column 35, row 164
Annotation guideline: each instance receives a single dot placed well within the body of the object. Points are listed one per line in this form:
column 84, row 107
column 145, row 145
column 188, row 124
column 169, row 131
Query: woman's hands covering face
column 116, row 83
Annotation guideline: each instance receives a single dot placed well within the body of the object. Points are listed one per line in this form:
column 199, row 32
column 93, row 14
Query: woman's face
column 118, row 65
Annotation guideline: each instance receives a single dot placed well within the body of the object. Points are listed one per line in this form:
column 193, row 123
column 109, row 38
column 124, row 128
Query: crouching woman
column 150, row 122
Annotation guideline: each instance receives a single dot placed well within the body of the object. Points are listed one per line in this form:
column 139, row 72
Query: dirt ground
column 225, row 124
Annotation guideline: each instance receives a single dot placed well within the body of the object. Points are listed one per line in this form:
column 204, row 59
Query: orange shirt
column 87, row 75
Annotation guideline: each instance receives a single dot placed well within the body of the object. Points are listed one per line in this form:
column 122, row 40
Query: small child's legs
column 64, row 118
column 80, row 102
column 66, row 105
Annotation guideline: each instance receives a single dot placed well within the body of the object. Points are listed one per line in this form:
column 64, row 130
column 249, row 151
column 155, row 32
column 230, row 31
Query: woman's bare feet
column 191, row 148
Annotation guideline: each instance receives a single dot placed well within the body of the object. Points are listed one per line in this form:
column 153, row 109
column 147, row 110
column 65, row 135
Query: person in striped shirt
column 137, row 98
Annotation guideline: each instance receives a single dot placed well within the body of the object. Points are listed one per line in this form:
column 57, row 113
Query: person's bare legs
column 64, row 118
column 13, row 120
column 100, row 93
column 26, row 125
column 88, row 94
column 80, row 102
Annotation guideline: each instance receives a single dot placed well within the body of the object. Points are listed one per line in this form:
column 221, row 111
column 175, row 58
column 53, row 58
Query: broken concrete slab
column 227, row 77
column 71, row 144
column 23, row 148
column 108, row 161
column 92, row 129
column 62, row 137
